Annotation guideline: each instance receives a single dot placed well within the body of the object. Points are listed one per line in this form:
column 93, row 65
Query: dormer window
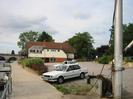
column 33, row 51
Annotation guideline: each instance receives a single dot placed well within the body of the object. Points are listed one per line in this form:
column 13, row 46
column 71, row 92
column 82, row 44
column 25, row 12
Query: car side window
column 76, row 67
column 70, row 68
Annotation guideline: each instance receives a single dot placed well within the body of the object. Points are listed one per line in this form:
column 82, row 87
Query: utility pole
column 117, row 84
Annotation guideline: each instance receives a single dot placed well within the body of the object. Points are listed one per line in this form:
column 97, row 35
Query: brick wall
column 60, row 59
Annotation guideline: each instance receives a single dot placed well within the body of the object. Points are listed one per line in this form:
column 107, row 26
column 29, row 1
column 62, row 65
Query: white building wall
column 70, row 55
column 36, row 55
column 50, row 53
column 54, row 53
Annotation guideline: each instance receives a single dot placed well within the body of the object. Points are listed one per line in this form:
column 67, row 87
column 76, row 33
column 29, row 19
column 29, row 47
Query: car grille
column 46, row 76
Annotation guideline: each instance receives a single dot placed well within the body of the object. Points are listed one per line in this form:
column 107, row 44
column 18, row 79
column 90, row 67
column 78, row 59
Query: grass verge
column 73, row 89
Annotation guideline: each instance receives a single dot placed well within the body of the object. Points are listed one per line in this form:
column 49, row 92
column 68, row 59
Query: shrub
column 41, row 68
column 128, row 59
column 27, row 62
column 105, row 59
column 35, row 63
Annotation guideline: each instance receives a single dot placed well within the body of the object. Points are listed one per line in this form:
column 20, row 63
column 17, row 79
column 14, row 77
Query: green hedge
column 34, row 63
column 30, row 61
column 105, row 59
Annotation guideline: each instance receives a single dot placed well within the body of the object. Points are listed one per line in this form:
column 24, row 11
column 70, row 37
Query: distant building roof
column 51, row 45
column 36, row 47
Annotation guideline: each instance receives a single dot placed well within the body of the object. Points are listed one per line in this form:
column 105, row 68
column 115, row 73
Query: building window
column 37, row 51
column 33, row 51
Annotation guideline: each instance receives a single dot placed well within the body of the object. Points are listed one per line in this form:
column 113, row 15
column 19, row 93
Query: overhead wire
column 113, row 22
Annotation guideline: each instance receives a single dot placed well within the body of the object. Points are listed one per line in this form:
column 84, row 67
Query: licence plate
column 46, row 78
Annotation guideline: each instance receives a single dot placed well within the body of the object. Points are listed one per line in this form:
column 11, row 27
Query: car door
column 77, row 70
column 69, row 72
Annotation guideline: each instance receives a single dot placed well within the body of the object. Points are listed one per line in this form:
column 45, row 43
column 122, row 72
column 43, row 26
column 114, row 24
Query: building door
column 46, row 60
column 52, row 60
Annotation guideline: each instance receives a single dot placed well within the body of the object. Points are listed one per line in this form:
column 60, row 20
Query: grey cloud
column 82, row 16
column 22, row 24
column 15, row 22
column 50, row 30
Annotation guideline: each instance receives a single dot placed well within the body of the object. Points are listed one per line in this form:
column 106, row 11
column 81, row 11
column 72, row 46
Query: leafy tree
column 13, row 52
column 26, row 37
column 105, row 59
column 44, row 36
column 82, row 42
column 127, row 37
column 102, row 50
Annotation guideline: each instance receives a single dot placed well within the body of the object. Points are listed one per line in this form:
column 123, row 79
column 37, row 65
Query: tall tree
column 82, row 42
column 127, row 36
column 44, row 36
column 26, row 37
column 102, row 50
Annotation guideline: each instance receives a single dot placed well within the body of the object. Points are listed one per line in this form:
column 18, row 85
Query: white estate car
column 65, row 71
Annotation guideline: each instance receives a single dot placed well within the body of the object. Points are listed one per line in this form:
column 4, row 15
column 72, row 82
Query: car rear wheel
column 60, row 80
column 82, row 75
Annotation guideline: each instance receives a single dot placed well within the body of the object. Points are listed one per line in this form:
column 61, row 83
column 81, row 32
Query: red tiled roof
column 51, row 45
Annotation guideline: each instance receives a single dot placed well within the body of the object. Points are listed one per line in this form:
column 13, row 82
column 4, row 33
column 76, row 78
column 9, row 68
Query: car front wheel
column 60, row 80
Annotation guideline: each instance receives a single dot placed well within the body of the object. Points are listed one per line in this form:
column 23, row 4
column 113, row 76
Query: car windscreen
column 61, row 68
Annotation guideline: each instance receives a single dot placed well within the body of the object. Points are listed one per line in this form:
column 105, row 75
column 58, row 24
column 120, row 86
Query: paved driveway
column 27, row 85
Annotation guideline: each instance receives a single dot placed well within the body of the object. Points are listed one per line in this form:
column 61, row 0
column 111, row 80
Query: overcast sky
column 61, row 18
